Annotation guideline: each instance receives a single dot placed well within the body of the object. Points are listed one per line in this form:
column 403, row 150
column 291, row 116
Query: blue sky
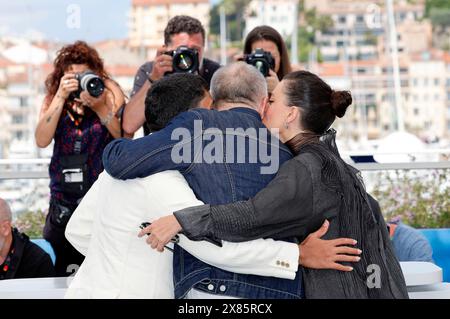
column 99, row 19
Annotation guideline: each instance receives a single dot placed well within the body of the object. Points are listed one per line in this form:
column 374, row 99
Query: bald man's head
column 5, row 211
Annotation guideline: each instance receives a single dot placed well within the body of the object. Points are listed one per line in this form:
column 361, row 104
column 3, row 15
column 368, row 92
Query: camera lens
column 261, row 67
column 92, row 83
column 184, row 62
column 261, row 60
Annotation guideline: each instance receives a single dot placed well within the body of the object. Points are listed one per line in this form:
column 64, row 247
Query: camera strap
column 74, row 167
column 78, row 140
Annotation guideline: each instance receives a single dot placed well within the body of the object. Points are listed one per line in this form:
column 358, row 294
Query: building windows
column 361, row 70
column 23, row 101
column 416, row 111
column 342, row 19
column 436, row 81
column 18, row 119
column 18, row 135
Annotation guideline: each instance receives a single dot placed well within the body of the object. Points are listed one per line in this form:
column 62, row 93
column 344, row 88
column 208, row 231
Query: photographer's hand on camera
column 94, row 103
column 161, row 65
column 67, row 85
column 239, row 57
column 51, row 110
column 272, row 81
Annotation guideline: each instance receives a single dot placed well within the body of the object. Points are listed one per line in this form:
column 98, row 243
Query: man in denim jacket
column 225, row 156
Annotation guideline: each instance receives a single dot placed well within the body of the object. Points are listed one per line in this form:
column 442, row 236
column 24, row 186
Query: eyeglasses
column 174, row 240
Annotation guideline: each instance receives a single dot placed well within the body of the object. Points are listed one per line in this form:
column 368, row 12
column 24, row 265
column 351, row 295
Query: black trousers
column 68, row 259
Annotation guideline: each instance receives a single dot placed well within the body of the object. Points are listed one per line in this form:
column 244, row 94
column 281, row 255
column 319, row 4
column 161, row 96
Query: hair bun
column 340, row 101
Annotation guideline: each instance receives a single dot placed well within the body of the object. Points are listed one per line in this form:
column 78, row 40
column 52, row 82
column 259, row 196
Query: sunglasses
column 174, row 240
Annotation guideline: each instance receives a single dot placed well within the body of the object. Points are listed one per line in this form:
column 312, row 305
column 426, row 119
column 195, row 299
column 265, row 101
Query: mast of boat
column 223, row 36
column 294, row 37
column 395, row 66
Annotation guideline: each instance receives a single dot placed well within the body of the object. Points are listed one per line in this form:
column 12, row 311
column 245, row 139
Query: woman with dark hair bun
column 79, row 114
column 313, row 188
column 268, row 39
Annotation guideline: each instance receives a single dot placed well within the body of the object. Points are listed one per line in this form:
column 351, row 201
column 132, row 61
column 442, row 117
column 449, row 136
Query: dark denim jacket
column 213, row 183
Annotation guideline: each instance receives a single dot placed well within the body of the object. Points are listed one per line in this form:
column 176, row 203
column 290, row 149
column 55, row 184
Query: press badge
column 73, row 175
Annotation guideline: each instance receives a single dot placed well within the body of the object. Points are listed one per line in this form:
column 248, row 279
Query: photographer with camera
column 78, row 112
column 264, row 48
column 184, row 43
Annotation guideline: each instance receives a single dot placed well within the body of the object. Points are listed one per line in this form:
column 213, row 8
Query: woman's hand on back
column 161, row 231
column 317, row 253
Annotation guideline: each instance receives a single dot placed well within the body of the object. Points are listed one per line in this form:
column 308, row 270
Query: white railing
column 38, row 168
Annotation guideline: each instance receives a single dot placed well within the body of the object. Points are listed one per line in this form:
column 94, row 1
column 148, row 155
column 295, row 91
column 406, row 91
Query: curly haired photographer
column 78, row 113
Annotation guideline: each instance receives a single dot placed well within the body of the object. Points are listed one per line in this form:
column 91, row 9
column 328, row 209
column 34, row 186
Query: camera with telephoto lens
column 185, row 60
column 262, row 60
column 90, row 82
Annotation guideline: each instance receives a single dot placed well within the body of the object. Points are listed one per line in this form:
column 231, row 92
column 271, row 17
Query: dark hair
column 265, row 32
column 77, row 53
column 181, row 24
column 319, row 103
column 172, row 95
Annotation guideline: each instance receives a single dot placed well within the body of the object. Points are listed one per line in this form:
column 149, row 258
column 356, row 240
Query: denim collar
column 246, row 110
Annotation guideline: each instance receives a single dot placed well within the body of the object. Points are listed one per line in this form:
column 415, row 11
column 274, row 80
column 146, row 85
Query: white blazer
column 118, row 264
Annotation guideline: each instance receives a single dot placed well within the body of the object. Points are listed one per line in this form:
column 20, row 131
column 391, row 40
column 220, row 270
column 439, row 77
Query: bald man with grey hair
column 238, row 83
column 19, row 257
column 5, row 211
column 5, row 229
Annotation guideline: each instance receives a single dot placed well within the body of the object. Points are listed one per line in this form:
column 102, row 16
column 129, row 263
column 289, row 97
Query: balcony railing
column 38, row 168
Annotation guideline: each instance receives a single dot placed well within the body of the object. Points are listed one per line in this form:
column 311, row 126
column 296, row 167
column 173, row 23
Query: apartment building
column 358, row 25
column 148, row 19
column 279, row 14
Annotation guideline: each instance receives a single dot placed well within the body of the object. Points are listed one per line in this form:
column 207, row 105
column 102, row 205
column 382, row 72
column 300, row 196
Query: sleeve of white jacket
column 79, row 228
column 263, row 257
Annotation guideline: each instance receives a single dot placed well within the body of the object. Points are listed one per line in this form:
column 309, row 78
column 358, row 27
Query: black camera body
column 185, row 60
column 262, row 60
column 90, row 82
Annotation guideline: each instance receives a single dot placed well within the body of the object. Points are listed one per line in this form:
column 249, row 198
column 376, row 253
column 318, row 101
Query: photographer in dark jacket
column 19, row 257
column 180, row 31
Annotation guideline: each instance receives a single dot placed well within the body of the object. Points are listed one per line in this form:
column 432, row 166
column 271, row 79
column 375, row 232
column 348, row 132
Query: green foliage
column 31, row 223
column 420, row 199
column 435, row 4
column 306, row 34
column 318, row 22
column 234, row 12
column 370, row 38
column 440, row 17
